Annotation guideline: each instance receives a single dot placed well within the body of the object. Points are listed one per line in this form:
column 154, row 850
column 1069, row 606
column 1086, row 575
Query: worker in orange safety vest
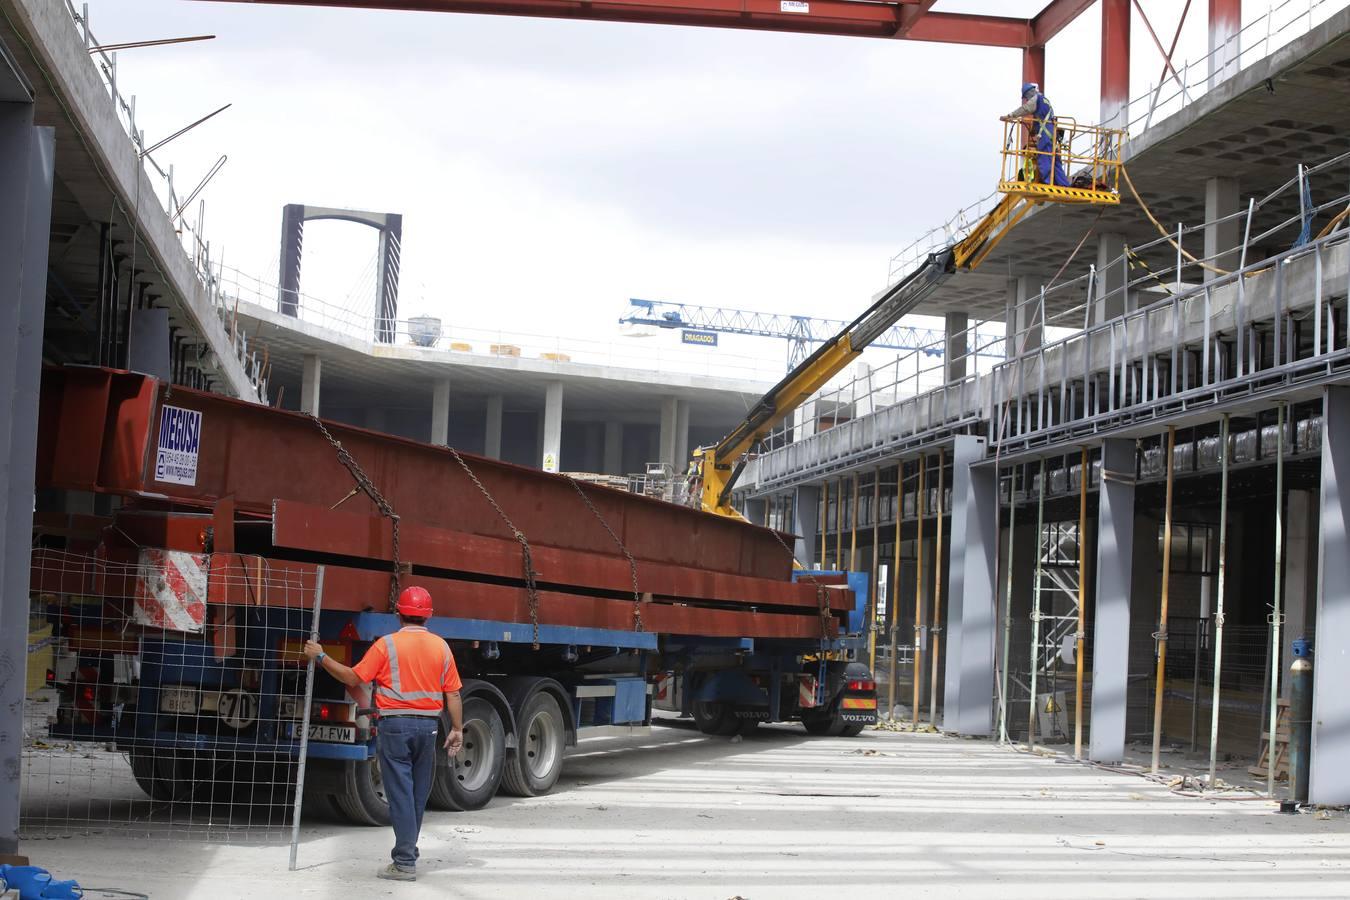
column 415, row 677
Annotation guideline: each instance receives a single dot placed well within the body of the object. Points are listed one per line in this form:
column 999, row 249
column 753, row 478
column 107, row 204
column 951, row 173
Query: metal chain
column 368, row 487
column 632, row 563
column 527, row 560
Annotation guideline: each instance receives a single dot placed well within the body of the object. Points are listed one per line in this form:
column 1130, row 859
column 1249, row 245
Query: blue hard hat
column 1030, row 87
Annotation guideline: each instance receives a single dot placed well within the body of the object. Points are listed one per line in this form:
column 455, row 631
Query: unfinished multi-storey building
column 1118, row 534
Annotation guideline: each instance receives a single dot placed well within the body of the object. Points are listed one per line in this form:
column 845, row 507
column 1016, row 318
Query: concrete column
column 552, row 449
column 27, row 157
column 804, row 421
column 492, row 438
column 1225, row 21
column 1111, row 631
column 1223, row 197
column 681, row 436
column 806, row 524
column 1329, row 780
column 956, row 341
column 310, row 378
column 1299, row 575
column 1023, row 319
column 665, row 447
column 1110, row 300
column 756, row 509
column 613, row 461
column 968, row 707
column 1115, row 62
column 440, row 412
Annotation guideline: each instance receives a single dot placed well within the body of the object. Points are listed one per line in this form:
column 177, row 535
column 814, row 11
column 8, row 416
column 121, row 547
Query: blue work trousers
column 407, row 751
column 1048, row 163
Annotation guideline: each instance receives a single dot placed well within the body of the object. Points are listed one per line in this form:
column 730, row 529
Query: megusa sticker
column 180, row 434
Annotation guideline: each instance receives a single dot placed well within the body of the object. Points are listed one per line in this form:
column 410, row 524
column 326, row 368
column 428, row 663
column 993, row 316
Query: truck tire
column 825, row 726
column 471, row 778
column 851, row 729
column 711, row 717
column 533, row 768
column 361, row 798
column 148, row 770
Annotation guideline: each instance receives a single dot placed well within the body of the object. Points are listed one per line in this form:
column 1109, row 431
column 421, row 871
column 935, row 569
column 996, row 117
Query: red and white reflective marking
column 806, row 691
column 171, row 590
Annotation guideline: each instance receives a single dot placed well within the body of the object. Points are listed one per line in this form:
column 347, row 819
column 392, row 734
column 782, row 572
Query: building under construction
column 1119, row 537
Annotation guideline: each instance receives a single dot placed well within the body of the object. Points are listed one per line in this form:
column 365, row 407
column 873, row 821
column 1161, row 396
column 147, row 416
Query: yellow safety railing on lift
column 1089, row 155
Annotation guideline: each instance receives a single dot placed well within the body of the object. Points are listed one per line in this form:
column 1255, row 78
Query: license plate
column 335, row 734
column 178, row 700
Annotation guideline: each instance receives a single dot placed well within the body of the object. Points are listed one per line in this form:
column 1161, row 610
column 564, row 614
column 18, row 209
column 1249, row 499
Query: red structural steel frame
column 911, row 20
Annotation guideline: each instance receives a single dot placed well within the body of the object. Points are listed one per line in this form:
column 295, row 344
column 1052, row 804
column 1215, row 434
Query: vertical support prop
column 876, row 569
column 1218, row 603
column 1007, row 612
column 895, row 592
column 1084, row 473
column 824, row 521
column 1036, row 611
column 934, row 628
column 918, row 594
column 304, row 720
column 1158, row 689
column 839, row 528
column 1276, row 613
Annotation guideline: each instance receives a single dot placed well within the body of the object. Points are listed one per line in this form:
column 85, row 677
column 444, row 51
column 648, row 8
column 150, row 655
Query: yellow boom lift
column 1091, row 153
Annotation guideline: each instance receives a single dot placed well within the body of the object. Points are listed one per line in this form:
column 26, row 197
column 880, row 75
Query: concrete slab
column 781, row 815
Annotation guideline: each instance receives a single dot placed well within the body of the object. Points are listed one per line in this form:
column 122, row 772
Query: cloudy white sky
column 549, row 170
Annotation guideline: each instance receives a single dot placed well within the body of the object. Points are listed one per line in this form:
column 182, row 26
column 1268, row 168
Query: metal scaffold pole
column 1159, row 679
column 894, row 604
column 1007, row 611
column 824, row 521
column 839, row 528
column 935, row 626
column 1218, row 603
column 1276, row 611
column 876, row 567
column 918, row 592
column 1083, row 472
column 304, row 720
column 1036, row 611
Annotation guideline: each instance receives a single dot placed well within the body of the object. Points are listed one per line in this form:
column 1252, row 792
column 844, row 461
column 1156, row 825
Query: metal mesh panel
column 151, row 712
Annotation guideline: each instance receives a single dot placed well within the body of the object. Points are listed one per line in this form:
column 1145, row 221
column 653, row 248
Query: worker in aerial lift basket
column 414, row 674
column 1049, row 168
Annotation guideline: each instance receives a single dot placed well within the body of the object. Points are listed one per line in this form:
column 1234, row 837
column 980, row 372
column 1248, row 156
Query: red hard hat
column 414, row 601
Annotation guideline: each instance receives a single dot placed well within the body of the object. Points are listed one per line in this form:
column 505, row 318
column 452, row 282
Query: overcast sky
column 549, row 170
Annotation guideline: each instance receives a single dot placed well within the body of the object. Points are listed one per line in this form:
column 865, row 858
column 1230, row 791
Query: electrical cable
column 1163, row 231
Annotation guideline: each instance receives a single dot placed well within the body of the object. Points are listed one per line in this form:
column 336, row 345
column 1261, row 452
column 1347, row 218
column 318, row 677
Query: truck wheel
column 711, row 717
column 851, row 729
column 827, row 726
column 471, row 778
column 147, row 768
column 537, row 762
column 361, row 799
column 173, row 777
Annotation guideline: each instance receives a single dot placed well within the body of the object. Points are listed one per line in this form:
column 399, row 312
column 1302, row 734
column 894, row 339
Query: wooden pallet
column 1281, row 747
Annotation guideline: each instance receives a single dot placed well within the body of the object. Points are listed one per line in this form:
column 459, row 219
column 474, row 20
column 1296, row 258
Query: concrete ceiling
column 1291, row 108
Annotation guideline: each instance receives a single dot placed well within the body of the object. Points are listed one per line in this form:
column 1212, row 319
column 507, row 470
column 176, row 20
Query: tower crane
column 801, row 332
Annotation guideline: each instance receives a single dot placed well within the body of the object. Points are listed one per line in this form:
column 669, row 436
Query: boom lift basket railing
column 1088, row 154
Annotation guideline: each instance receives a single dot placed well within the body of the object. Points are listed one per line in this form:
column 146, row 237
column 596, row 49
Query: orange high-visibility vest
column 412, row 669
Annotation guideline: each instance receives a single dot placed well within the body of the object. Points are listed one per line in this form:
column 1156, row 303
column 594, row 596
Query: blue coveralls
column 1043, row 131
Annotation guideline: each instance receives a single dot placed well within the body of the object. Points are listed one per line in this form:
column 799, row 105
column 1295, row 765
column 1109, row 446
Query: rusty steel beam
column 1055, row 17
column 846, row 18
column 99, row 432
column 297, row 526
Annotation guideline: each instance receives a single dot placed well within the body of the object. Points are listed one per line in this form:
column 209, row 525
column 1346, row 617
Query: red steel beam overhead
column 847, row 18
column 1055, row 18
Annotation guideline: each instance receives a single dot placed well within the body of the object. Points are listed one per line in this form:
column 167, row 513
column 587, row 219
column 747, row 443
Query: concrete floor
column 781, row 815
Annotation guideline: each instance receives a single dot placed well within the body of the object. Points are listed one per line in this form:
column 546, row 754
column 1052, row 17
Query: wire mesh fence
column 150, row 712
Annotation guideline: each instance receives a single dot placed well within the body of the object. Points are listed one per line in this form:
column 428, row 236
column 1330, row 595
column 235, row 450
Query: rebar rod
column 934, row 628
column 1007, row 611
column 1036, row 611
column 1275, row 615
column 1218, row 603
column 1158, row 689
column 918, row 595
column 1082, row 605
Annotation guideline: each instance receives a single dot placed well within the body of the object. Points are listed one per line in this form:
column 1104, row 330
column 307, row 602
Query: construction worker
column 415, row 676
column 1035, row 106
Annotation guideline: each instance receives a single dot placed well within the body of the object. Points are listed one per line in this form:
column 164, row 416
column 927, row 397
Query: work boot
column 392, row 872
